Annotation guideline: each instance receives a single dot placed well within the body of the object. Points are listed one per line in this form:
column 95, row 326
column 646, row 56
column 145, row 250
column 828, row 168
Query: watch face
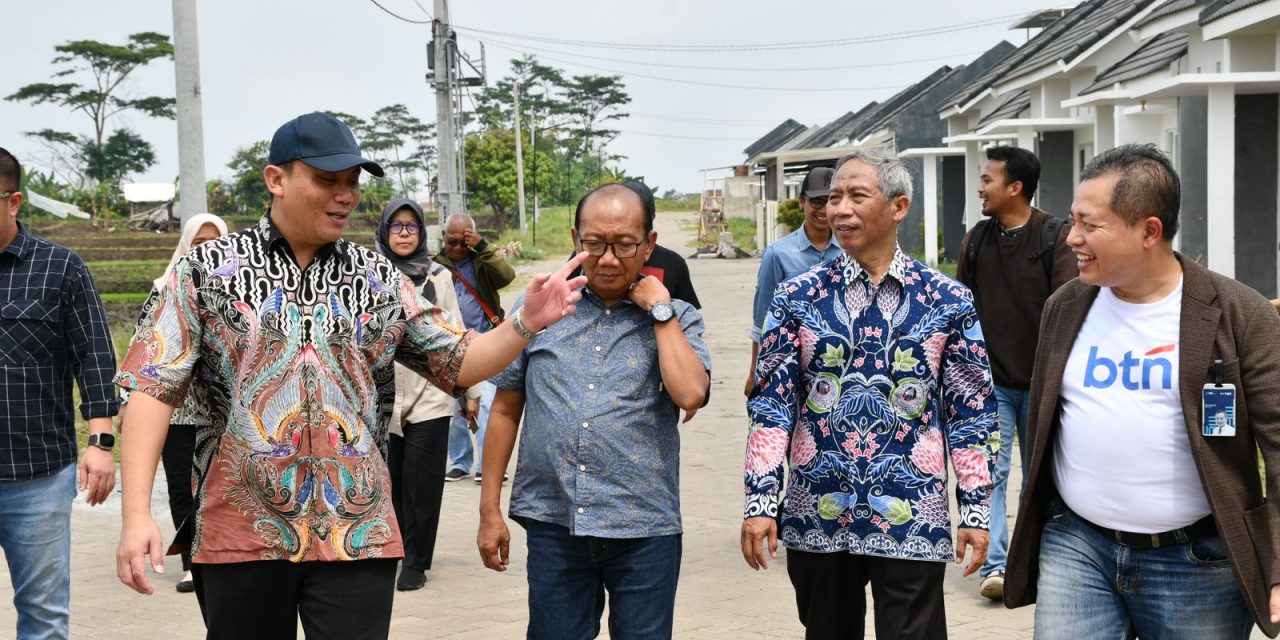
column 104, row 440
column 662, row 312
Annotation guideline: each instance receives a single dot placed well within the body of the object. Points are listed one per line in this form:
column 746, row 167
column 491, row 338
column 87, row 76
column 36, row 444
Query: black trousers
column 264, row 600
column 179, row 450
column 417, row 465
column 831, row 596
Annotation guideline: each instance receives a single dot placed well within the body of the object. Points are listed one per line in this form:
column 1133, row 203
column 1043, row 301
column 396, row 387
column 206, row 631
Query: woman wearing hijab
column 419, row 440
column 180, row 445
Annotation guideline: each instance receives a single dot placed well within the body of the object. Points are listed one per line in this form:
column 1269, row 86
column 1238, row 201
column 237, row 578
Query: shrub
column 791, row 213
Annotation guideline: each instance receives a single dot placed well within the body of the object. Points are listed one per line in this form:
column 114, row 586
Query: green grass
column 744, row 233
column 552, row 231
column 692, row 203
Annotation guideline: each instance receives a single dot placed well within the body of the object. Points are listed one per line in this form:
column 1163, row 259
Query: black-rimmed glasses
column 596, row 248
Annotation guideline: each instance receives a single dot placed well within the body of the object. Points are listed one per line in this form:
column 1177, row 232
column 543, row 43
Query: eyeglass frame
column 5, row 195
column 818, row 201
column 413, row 227
column 612, row 246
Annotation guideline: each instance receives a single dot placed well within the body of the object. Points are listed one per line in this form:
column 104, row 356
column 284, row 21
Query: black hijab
column 416, row 265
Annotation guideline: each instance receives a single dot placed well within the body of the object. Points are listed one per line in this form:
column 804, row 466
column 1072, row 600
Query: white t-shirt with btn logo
column 1122, row 459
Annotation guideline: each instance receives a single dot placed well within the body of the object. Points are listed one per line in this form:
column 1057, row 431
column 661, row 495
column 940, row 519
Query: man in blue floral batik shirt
column 872, row 373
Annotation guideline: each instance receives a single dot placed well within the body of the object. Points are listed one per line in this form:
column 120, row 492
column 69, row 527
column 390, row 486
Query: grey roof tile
column 1169, row 9
column 1220, row 8
column 776, row 137
column 1154, row 55
column 1012, row 107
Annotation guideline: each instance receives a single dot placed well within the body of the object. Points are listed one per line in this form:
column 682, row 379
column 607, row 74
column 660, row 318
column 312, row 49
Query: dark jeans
column 177, row 455
column 249, row 600
column 569, row 575
column 417, row 463
column 831, row 596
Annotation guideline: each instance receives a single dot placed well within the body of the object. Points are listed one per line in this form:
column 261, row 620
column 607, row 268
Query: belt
column 1202, row 528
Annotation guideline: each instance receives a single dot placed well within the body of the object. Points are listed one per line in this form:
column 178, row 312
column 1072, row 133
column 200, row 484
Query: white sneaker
column 993, row 586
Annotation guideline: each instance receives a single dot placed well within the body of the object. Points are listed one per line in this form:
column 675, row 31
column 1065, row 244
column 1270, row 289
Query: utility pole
column 186, row 56
column 450, row 200
column 515, row 93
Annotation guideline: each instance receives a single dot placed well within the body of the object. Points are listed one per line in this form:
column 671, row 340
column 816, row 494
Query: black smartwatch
column 662, row 312
column 104, row 441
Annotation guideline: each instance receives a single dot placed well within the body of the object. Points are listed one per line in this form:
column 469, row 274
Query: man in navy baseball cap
column 320, row 140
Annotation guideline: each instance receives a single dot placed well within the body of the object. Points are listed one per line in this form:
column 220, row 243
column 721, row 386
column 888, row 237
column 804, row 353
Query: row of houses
column 1198, row 78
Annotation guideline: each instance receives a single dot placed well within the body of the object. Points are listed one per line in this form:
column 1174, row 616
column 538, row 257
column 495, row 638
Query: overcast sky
column 266, row 61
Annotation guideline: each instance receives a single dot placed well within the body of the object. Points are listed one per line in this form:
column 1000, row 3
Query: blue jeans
column 460, row 452
column 569, row 575
column 1093, row 587
column 35, row 533
column 1013, row 419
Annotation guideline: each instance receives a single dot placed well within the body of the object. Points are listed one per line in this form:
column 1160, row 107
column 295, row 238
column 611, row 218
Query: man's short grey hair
column 893, row 177
column 463, row 218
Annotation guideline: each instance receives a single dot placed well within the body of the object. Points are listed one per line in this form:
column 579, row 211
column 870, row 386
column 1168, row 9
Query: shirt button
column 582, row 467
column 581, row 510
column 591, row 386
column 584, row 425
column 608, row 312
column 597, row 347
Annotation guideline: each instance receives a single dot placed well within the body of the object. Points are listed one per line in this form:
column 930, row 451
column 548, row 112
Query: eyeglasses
column 818, row 202
column 456, row 242
column 596, row 248
column 400, row 227
column 5, row 195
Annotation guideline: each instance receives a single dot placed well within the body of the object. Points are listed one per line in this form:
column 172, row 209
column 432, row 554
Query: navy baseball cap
column 322, row 141
column 818, row 183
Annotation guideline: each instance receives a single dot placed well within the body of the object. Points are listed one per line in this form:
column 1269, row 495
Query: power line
column 771, row 46
column 664, row 135
column 724, row 68
column 400, row 17
column 701, row 83
column 424, row 10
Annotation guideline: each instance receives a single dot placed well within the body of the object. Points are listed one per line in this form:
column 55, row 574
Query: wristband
column 518, row 325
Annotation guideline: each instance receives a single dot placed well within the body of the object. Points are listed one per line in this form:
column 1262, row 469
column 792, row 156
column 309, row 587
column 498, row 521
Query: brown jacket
column 1221, row 318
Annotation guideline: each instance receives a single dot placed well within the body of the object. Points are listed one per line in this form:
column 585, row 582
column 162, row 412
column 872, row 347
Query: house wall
column 1257, row 132
column 953, row 189
column 1057, row 168
column 1192, row 159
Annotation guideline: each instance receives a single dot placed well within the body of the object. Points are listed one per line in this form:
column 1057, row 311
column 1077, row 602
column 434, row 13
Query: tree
column 491, row 171
column 87, row 159
column 402, row 144
column 594, row 101
column 247, row 190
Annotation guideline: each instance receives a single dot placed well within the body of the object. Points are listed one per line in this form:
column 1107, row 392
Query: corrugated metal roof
column 1012, row 107
column 1222, row 8
column 1155, row 55
column 793, row 143
column 776, row 137
column 1169, row 9
column 1085, row 32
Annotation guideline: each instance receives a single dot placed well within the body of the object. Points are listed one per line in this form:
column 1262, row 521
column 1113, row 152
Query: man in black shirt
column 1012, row 270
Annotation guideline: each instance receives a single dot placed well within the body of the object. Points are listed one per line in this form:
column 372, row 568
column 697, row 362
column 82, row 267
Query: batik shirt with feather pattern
column 864, row 391
column 300, row 391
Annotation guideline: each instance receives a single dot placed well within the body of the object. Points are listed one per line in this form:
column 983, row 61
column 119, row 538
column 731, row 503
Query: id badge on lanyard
column 1218, row 401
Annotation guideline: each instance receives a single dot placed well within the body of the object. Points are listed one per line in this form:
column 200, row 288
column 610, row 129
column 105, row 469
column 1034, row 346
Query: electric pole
column 515, row 93
column 449, row 196
column 186, row 56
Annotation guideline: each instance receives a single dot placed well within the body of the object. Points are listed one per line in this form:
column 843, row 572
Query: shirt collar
column 20, row 246
column 588, row 294
column 274, row 239
column 854, row 271
column 807, row 243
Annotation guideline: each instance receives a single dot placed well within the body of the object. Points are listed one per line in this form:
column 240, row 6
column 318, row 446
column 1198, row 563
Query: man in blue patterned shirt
column 872, row 373
column 597, row 485
column 53, row 330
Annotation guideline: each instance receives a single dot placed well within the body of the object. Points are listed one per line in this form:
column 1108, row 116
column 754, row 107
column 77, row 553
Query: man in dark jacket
column 1142, row 515
column 478, row 273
